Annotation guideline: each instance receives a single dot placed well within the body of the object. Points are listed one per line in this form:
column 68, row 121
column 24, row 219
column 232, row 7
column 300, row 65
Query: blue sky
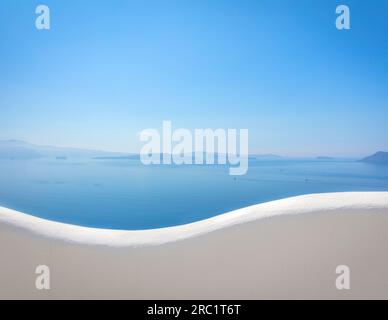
column 108, row 69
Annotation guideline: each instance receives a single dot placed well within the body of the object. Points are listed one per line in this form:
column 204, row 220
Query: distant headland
column 380, row 157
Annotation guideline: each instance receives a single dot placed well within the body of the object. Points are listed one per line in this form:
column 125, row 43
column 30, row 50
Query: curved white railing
column 325, row 202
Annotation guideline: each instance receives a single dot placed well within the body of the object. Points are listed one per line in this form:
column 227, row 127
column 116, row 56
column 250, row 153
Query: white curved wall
column 282, row 249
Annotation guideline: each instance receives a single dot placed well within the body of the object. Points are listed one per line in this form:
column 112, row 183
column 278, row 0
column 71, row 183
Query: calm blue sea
column 124, row 194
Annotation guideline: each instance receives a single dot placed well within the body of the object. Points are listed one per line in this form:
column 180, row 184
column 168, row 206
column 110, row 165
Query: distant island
column 191, row 155
column 325, row 158
column 130, row 157
column 380, row 157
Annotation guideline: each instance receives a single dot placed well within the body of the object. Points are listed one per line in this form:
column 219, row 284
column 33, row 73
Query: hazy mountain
column 380, row 157
column 14, row 149
column 17, row 149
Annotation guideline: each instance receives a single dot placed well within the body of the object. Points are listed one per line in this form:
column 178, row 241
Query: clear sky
column 108, row 69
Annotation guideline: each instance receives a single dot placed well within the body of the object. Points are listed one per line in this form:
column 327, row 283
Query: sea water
column 125, row 194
